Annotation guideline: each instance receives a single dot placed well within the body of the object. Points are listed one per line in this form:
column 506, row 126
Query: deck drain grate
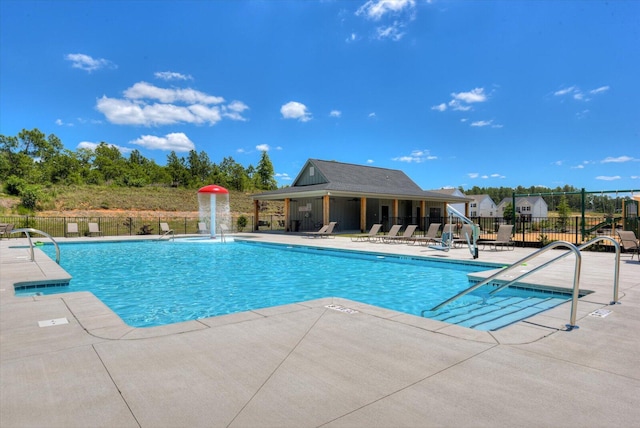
column 600, row 313
column 341, row 309
column 56, row 321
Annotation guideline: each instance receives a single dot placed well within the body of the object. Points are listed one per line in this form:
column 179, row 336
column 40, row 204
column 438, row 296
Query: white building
column 527, row 207
column 453, row 192
column 482, row 206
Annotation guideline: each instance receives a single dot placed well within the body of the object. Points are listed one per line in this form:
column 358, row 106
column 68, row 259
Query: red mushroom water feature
column 214, row 208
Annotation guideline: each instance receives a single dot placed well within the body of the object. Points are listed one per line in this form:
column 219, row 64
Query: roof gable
column 357, row 178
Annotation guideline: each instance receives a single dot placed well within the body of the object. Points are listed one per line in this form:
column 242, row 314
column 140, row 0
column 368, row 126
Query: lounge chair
column 324, row 232
column 202, row 228
column 372, row 235
column 446, row 240
column 503, row 239
column 395, row 229
column 405, row 237
column 629, row 242
column 72, row 229
column 165, row 229
column 430, row 237
column 466, row 236
column 5, row 230
column 94, row 229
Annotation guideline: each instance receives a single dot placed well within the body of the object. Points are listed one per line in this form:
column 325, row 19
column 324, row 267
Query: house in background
column 482, row 206
column 454, row 192
column 526, row 207
column 355, row 196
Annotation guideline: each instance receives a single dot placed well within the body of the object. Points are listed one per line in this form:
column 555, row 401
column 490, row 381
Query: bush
column 241, row 223
column 30, row 196
column 14, row 185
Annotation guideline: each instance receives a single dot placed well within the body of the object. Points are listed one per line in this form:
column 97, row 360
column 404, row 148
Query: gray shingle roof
column 360, row 179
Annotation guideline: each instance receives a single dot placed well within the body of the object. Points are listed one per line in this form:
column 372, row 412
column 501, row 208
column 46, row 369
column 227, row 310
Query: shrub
column 241, row 223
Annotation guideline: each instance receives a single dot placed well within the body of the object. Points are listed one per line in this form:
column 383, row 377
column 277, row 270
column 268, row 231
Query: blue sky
column 454, row 93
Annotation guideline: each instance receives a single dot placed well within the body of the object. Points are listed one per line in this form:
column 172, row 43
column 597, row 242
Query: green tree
column 564, row 211
column 265, row 173
column 177, row 169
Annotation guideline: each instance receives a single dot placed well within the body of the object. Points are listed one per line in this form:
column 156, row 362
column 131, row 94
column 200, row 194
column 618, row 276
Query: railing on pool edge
column 28, row 230
column 576, row 280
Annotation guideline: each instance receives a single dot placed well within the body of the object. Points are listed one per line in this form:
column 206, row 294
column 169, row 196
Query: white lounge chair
column 202, row 227
column 629, row 242
column 94, row 229
column 372, row 235
column 72, row 229
column 395, row 229
column 165, row 229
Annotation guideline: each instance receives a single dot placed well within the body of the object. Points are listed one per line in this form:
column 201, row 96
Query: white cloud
column 87, row 63
column 497, row 176
column 376, row 9
column 619, row 159
column 92, row 146
column 144, row 90
column 295, row 110
column 372, row 114
column 578, row 167
column 440, row 107
column 370, row 161
column 473, row 175
column 564, row 91
column 352, row 38
column 176, row 141
column 149, row 105
column 481, row 123
column 416, row 156
column 557, row 163
column 263, row 147
column 283, row 176
column 608, row 178
column 335, row 113
column 170, row 75
column 393, row 31
column 59, row 122
column 475, row 95
column 577, row 94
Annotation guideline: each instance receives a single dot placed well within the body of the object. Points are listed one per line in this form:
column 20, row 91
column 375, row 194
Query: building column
column 363, row 214
column 287, row 216
column 256, row 214
column 325, row 209
column 394, row 214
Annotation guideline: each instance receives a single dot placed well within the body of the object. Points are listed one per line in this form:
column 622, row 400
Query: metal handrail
column 28, row 230
column 576, row 278
column 168, row 232
column 616, row 273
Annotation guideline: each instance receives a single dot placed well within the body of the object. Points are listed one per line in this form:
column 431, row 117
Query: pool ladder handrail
column 28, row 230
column 616, row 273
column 576, row 278
column 168, row 232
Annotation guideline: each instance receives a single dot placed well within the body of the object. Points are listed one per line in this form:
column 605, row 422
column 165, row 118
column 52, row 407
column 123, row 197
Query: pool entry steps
column 517, row 310
column 497, row 312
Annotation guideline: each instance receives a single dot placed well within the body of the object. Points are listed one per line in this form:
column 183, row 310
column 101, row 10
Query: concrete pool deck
column 309, row 365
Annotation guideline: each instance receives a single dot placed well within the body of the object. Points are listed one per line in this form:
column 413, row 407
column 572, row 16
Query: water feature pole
column 210, row 206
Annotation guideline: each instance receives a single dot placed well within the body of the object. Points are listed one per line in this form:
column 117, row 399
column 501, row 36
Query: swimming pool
column 150, row 283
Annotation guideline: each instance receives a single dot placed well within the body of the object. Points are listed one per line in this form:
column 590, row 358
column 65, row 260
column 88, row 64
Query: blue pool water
column 150, row 283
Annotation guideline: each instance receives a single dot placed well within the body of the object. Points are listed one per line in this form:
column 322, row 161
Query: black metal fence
column 527, row 231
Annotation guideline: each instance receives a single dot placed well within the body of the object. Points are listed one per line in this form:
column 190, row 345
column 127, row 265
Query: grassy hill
column 106, row 200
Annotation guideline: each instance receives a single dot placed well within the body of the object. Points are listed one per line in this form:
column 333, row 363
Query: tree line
column 569, row 195
column 31, row 161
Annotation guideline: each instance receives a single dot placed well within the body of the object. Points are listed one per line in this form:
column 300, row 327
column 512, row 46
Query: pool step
column 496, row 312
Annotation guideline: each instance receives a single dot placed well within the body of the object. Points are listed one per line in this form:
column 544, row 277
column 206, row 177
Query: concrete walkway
column 317, row 363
